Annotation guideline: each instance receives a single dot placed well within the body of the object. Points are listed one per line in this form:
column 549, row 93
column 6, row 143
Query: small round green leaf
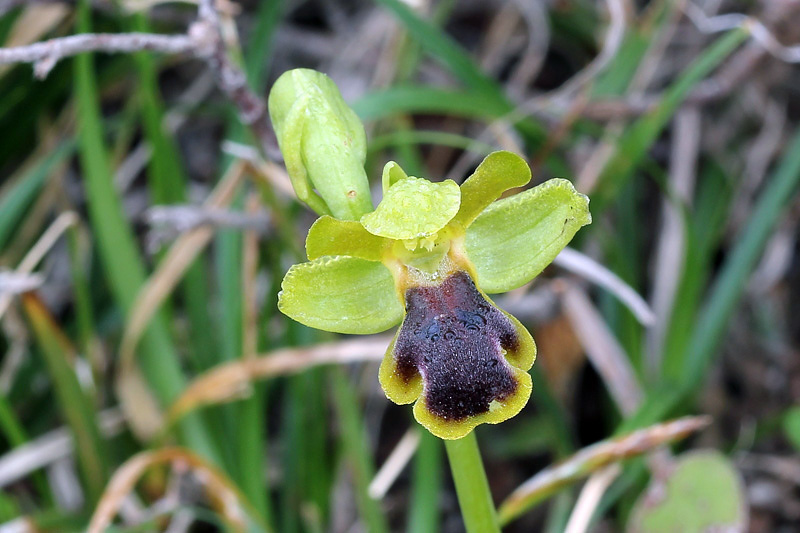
column 341, row 294
column 703, row 493
column 414, row 208
column 513, row 239
column 331, row 236
column 497, row 173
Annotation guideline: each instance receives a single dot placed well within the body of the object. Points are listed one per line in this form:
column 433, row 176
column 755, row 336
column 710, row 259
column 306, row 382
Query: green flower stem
column 472, row 488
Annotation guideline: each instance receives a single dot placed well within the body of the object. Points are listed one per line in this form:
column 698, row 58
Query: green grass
column 296, row 444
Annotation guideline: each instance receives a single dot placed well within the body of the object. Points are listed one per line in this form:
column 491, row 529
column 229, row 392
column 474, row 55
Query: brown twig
column 46, row 54
column 232, row 80
column 203, row 40
column 231, row 381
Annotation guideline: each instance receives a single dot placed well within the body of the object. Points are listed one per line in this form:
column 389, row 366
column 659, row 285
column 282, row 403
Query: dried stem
column 230, row 503
column 44, row 55
column 203, row 40
column 231, row 381
column 232, row 80
column 593, row 458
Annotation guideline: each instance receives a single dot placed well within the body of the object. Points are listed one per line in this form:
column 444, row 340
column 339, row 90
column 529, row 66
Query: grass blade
column 447, row 51
column 358, row 454
column 637, row 139
column 16, row 201
column 426, row 486
column 730, row 284
column 727, row 289
column 123, row 265
column 418, row 99
column 75, row 406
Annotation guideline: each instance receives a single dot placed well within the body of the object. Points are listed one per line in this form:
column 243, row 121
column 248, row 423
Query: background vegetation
column 146, row 224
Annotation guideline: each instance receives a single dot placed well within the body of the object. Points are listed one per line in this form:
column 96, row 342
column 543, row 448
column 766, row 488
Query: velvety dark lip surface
column 454, row 338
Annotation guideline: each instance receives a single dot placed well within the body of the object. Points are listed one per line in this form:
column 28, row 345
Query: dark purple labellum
column 454, row 337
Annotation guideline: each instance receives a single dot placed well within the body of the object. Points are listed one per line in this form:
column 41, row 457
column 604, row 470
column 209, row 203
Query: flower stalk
column 472, row 487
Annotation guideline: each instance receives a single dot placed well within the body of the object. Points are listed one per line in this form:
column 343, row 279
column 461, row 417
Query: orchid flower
column 426, row 258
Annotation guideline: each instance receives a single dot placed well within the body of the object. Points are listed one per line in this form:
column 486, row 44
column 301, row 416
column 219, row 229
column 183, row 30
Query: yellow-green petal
column 497, row 173
column 341, row 294
column 414, row 208
column 331, row 236
column 514, row 239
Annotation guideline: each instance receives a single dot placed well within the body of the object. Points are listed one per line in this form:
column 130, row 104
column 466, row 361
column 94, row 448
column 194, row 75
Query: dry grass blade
column 671, row 248
column 394, row 464
column 40, row 249
column 51, row 447
column 16, row 283
column 758, row 31
column 593, row 458
column 180, row 256
column 227, row 499
column 590, row 496
column 272, row 174
column 232, row 380
column 141, row 408
column 591, row 270
column 602, row 348
column 34, row 22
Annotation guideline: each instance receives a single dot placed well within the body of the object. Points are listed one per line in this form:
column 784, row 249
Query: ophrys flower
column 427, row 257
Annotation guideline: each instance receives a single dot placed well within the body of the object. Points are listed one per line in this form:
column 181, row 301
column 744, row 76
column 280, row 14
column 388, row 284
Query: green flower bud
column 323, row 144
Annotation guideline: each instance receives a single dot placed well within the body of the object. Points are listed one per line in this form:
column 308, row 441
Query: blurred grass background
column 116, row 168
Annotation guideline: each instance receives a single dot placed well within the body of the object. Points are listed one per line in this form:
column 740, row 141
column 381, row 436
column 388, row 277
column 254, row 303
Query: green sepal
column 392, row 173
column 414, row 208
column 497, row 173
column 515, row 238
column 331, row 236
column 323, row 143
column 341, row 294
